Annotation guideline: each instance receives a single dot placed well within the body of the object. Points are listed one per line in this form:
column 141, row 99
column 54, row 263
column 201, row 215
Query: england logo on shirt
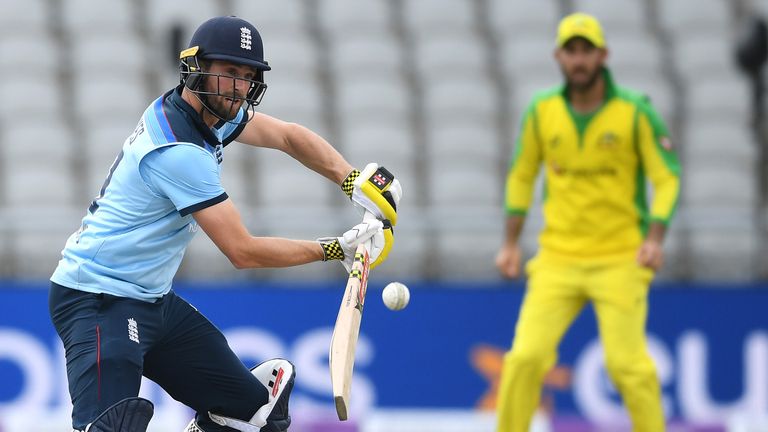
column 219, row 151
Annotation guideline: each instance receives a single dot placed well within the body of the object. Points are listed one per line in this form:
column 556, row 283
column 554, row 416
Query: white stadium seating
column 432, row 89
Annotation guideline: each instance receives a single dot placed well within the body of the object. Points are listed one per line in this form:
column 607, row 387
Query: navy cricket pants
column 110, row 342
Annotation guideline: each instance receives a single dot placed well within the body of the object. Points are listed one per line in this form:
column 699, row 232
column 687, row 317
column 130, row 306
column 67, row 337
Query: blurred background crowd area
column 431, row 89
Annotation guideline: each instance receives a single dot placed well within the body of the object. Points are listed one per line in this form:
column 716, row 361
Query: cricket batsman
column 111, row 298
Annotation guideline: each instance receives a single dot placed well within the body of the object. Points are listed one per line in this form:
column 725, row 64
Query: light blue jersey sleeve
column 185, row 174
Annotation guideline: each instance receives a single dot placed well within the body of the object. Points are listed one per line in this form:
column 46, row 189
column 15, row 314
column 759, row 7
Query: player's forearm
column 272, row 252
column 656, row 232
column 513, row 228
column 316, row 154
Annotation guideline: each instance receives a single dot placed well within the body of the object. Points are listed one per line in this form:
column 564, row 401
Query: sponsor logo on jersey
column 608, row 141
column 560, row 170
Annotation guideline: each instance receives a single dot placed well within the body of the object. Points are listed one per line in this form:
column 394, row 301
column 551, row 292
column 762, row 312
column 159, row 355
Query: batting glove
column 343, row 248
column 375, row 190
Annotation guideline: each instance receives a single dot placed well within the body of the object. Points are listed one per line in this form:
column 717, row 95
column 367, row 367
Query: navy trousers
column 110, row 342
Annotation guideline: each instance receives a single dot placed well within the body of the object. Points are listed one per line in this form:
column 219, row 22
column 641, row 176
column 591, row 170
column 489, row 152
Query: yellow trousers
column 556, row 293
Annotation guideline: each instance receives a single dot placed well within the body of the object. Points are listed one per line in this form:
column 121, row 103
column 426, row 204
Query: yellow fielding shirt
column 596, row 169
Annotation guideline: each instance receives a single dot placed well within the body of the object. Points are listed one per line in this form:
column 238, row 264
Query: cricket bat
column 344, row 340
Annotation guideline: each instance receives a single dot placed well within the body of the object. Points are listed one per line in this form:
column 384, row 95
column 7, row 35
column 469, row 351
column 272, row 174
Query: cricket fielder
column 599, row 144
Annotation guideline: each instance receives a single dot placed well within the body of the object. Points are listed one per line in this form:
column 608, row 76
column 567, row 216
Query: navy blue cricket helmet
column 225, row 38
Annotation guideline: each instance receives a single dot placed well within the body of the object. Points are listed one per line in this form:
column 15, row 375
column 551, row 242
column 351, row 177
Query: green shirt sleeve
column 524, row 166
column 659, row 162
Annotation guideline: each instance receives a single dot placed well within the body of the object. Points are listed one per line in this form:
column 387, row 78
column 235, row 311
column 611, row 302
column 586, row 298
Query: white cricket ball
column 396, row 296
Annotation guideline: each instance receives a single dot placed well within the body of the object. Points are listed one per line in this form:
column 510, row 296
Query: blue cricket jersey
column 133, row 237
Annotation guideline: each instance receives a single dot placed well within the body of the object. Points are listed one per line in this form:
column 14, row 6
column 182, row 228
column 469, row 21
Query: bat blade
column 341, row 357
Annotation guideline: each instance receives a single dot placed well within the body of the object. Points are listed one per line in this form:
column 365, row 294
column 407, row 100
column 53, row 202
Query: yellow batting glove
column 385, row 244
column 376, row 190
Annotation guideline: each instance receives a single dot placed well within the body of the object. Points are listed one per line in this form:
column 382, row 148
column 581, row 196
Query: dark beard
column 217, row 111
column 583, row 87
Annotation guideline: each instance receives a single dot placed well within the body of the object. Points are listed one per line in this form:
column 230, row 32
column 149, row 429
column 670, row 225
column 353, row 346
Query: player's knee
column 250, row 399
column 528, row 360
column 627, row 371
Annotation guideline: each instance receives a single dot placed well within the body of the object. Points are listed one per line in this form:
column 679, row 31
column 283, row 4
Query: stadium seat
column 725, row 253
column 726, row 185
column 117, row 55
column 451, row 183
column 465, row 242
column 38, row 161
column 719, row 99
column 101, row 96
column 722, row 141
column 373, row 97
column 85, row 18
column 293, row 55
column 617, row 18
column 29, row 139
column 164, row 19
column 460, row 98
column 296, row 99
column 282, row 181
column 16, row 58
column 188, row 14
column 341, row 19
column 369, row 55
column 306, row 222
column 388, row 141
column 693, row 18
column 24, row 18
column 411, row 85
column 281, row 18
column 524, row 18
column 528, row 58
column 704, row 56
column 410, row 253
column 54, row 180
column 33, row 95
column 656, row 86
column 439, row 16
column 635, row 55
column 37, row 234
column 450, row 56
column 471, row 143
column 370, row 138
